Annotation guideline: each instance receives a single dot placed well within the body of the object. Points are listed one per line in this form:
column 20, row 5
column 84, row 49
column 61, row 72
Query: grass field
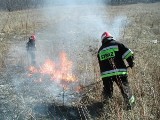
column 140, row 32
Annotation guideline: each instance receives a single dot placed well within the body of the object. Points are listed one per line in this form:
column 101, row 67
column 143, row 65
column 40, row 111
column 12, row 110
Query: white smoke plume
column 73, row 26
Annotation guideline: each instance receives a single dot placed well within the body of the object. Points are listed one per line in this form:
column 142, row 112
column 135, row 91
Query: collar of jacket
column 107, row 40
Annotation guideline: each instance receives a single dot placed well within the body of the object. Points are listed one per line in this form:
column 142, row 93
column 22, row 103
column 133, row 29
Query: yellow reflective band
column 114, row 74
column 129, row 54
column 132, row 100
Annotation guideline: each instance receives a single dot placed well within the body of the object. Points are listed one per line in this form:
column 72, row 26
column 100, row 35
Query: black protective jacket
column 30, row 46
column 111, row 56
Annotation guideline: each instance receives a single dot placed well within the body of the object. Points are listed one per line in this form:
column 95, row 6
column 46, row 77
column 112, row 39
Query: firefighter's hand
column 131, row 65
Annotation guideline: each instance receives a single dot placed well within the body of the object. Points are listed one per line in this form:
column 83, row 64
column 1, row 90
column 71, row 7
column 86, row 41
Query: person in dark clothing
column 111, row 56
column 31, row 48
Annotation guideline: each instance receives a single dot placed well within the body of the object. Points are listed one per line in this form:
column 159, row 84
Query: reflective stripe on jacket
column 127, row 54
column 114, row 72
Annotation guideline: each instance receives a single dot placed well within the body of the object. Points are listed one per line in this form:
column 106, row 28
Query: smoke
column 72, row 26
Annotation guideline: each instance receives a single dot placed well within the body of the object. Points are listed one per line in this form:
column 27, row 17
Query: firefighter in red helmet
column 111, row 56
column 31, row 47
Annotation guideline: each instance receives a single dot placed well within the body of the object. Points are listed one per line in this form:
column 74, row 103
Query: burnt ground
column 24, row 97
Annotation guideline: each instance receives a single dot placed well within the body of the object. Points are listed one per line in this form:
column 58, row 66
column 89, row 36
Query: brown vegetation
column 141, row 33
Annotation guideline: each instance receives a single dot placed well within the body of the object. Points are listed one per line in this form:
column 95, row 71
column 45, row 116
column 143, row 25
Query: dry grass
column 21, row 22
column 139, row 35
column 141, row 28
column 17, row 25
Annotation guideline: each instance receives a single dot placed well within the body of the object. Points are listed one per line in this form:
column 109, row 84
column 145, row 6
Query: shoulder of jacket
column 118, row 42
column 114, row 41
column 100, row 48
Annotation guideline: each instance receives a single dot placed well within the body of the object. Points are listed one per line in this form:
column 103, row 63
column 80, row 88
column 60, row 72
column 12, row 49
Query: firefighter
column 111, row 56
column 31, row 48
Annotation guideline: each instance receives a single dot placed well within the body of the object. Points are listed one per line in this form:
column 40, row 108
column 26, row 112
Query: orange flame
column 33, row 70
column 61, row 71
column 48, row 67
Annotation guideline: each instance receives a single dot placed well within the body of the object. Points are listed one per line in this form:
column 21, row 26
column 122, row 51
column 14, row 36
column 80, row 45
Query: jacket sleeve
column 127, row 54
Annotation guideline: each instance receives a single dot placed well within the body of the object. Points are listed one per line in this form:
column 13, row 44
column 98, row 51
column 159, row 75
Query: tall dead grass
column 21, row 22
column 18, row 23
column 138, row 34
column 142, row 35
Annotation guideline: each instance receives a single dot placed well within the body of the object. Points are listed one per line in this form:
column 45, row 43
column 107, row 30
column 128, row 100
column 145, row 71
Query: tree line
column 11, row 5
column 130, row 1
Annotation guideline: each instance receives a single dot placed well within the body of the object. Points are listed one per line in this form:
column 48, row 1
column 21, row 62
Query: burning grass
column 60, row 72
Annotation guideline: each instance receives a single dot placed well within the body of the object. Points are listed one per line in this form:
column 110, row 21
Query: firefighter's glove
column 131, row 65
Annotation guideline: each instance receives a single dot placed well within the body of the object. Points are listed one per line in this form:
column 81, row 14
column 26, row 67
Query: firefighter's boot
column 131, row 103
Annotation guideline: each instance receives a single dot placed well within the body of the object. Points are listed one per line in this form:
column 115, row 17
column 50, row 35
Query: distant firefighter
column 31, row 48
column 111, row 56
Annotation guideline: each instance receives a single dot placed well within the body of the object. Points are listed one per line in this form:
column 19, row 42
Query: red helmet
column 106, row 35
column 33, row 37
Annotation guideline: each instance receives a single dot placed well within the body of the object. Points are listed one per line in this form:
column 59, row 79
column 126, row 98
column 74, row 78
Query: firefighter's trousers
column 122, row 83
column 33, row 57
